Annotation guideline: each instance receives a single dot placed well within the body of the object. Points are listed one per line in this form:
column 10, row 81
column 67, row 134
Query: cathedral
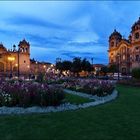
column 17, row 62
column 125, row 53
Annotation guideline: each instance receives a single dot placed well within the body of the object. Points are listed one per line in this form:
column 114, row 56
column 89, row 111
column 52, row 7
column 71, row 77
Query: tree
column 85, row 65
column 59, row 66
column 66, row 65
column 104, row 70
column 112, row 68
column 76, row 65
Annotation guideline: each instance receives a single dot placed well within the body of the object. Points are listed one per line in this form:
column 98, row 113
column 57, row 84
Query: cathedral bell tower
column 135, row 32
column 114, row 39
column 24, row 46
column 24, row 57
column 135, row 49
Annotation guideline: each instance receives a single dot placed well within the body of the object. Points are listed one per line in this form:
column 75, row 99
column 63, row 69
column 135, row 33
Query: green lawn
column 74, row 99
column 117, row 120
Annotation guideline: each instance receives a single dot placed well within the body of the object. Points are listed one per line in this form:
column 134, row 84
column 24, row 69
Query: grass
column 117, row 120
column 74, row 99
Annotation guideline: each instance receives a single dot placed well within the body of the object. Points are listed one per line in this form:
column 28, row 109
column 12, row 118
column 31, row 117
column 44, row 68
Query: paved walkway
column 95, row 97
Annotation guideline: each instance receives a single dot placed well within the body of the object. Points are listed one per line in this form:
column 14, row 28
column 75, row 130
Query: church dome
column 136, row 25
column 115, row 34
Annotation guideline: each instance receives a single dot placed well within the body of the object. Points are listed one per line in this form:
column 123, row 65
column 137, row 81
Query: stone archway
column 124, row 71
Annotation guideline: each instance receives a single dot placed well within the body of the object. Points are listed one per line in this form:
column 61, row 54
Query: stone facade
column 125, row 53
column 12, row 60
column 18, row 60
column 39, row 67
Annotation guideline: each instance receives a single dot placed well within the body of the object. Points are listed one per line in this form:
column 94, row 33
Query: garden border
column 63, row 107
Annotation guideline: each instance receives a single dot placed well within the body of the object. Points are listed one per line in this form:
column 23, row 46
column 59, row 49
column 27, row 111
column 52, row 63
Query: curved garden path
column 62, row 107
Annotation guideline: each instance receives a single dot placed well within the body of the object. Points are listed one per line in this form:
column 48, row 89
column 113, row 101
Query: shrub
column 29, row 94
column 40, row 77
column 136, row 73
column 90, row 86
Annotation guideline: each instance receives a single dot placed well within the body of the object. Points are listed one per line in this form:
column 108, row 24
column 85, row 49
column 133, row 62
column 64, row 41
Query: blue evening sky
column 66, row 29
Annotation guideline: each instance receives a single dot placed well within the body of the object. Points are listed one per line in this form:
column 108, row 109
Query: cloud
column 31, row 21
column 66, row 28
column 84, row 44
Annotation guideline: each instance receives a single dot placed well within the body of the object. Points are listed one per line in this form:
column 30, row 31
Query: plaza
column 66, row 71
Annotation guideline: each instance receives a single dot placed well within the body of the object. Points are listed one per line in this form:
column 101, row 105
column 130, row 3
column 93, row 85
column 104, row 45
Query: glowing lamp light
column 16, row 65
column 11, row 58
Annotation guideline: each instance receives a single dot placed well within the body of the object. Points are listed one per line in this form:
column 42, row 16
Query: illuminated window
column 123, row 57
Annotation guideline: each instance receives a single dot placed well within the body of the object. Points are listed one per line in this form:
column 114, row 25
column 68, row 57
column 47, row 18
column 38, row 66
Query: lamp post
column 28, row 67
column 92, row 65
column 44, row 68
column 118, row 55
column 11, row 59
column 36, row 67
column 18, row 62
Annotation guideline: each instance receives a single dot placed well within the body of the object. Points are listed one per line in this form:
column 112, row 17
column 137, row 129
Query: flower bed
column 90, row 86
column 29, row 94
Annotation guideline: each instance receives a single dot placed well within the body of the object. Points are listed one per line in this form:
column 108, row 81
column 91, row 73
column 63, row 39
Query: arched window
column 123, row 70
column 123, row 57
column 137, row 57
column 136, row 35
column 1, row 67
column 112, row 44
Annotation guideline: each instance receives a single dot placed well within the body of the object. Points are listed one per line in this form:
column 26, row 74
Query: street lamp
column 16, row 65
column 92, row 65
column 11, row 59
column 44, row 68
column 92, row 60
column 37, row 68
column 18, row 62
column 118, row 55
